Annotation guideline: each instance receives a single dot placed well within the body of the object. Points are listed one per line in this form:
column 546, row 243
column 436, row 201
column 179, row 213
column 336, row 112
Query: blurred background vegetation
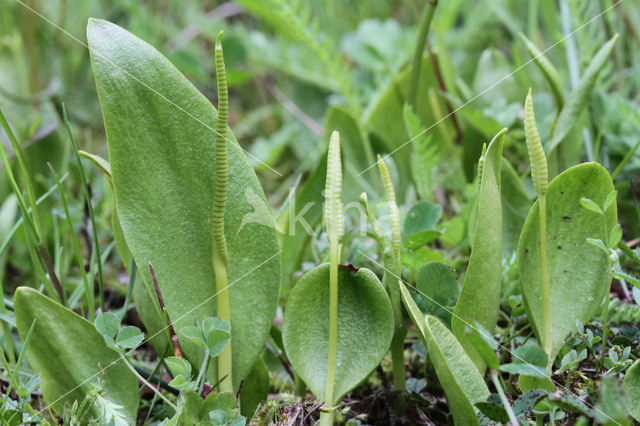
column 298, row 69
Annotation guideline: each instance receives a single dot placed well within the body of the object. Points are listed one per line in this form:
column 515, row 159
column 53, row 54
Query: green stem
column 544, row 276
column 605, row 318
column 203, row 370
column 147, row 384
column 326, row 418
column 397, row 344
column 425, row 24
column 225, row 362
column 397, row 357
column 393, row 263
column 625, row 160
column 505, row 402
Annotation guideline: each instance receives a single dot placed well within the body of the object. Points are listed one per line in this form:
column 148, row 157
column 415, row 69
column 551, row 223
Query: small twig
column 239, row 389
column 86, row 229
column 172, row 332
column 304, row 419
column 52, row 272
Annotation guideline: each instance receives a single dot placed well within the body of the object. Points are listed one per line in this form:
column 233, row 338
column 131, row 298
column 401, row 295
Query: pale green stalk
column 397, row 344
column 503, row 398
column 333, row 221
column 147, row 384
column 540, row 178
column 203, row 369
column 605, row 314
column 220, row 256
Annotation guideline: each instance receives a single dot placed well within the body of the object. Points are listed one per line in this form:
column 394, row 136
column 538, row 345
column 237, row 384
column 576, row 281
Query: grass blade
column 578, row 98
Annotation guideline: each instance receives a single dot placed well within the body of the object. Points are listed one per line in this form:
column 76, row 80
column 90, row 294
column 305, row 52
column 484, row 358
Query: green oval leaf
column 578, row 272
column 162, row 156
column 631, row 384
column 71, row 355
column 480, row 296
column 365, row 328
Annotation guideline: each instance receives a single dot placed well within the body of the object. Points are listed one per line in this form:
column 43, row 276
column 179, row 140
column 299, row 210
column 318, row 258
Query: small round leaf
column 129, row 337
column 107, row 324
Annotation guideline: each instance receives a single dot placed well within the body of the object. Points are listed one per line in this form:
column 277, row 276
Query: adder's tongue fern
column 222, row 163
column 333, row 221
column 334, row 226
column 220, row 255
column 540, row 178
column 538, row 160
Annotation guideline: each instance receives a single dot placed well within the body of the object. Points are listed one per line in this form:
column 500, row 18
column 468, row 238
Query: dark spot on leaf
column 350, row 267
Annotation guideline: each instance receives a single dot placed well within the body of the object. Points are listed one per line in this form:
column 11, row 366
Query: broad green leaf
column 255, row 389
column 631, row 384
column 147, row 307
column 578, row 98
column 365, row 320
column 578, row 272
column 462, row 383
column 480, row 296
column 159, row 129
column 71, row 355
